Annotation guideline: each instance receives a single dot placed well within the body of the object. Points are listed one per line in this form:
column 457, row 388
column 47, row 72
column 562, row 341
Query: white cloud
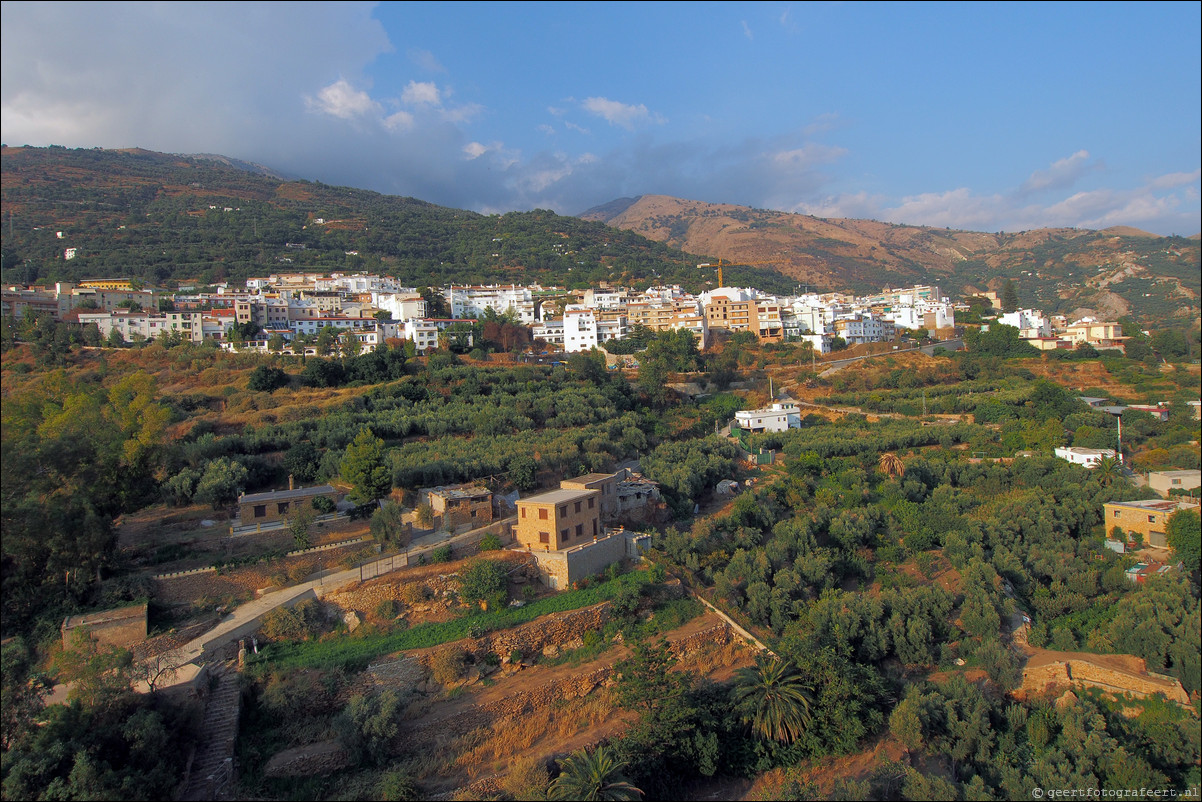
column 1174, row 180
column 341, row 100
column 1062, row 173
column 400, row 121
column 543, row 128
column 622, row 115
column 855, row 205
column 1157, row 206
column 822, row 123
column 461, row 114
column 747, row 30
column 426, row 60
column 474, row 150
column 957, row 208
column 421, row 94
column 571, row 126
column 807, row 156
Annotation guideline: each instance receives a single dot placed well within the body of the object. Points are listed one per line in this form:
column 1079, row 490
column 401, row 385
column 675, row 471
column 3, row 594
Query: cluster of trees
column 798, row 558
column 106, row 742
column 979, row 746
column 77, row 453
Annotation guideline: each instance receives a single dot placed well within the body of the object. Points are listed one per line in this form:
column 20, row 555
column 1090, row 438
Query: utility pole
column 1120, row 419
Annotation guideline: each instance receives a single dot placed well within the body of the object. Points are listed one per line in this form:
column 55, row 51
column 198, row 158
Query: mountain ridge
column 1112, row 273
column 170, row 217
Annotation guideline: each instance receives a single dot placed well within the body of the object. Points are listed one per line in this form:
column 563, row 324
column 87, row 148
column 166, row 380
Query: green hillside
column 164, row 219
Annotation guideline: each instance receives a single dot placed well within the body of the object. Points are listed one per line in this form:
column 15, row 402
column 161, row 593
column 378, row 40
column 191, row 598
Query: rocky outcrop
column 308, row 761
column 1069, row 673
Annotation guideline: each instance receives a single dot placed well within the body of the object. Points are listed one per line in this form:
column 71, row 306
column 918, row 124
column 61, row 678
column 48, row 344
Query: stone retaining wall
column 366, row 597
column 529, row 639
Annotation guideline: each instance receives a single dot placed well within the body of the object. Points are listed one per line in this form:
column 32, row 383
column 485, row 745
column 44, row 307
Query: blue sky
column 998, row 116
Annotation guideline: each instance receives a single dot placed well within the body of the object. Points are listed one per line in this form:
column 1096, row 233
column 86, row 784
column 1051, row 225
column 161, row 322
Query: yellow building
column 120, row 284
column 559, row 519
column 1146, row 518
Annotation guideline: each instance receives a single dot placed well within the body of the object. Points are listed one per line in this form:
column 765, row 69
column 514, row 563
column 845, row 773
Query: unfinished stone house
column 460, row 507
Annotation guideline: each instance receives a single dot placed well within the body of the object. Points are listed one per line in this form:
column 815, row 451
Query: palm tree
column 891, row 465
column 1107, row 470
column 773, row 700
column 592, row 776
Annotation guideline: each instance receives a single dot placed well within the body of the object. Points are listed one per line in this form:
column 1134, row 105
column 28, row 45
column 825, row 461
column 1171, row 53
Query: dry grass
column 557, row 723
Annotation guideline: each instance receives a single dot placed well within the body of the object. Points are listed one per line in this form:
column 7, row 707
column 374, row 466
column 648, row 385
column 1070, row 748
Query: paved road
column 247, row 618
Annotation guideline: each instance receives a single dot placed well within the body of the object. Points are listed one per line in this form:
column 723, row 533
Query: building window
column 1116, row 513
column 260, row 510
column 563, row 534
column 544, row 537
column 594, row 528
column 542, row 514
column 563, row 511
column 1151, row 519
column 577, row 506
column 579, row 530
column 281, row 507
column 591, row 504
column 523, row 512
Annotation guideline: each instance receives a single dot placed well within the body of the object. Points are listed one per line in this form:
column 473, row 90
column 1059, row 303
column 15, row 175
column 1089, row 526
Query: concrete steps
column 212, row 773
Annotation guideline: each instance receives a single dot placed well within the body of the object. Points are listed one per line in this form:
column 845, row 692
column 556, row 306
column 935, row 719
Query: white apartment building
column 401, row 305
column 607, row 300
column 922, row 315
column 864, row 328
column 549, row 331
column 146, row 325
column 776, row 418
column 473, row 301
column 422, row 333
column 579, row 330
column 1031, row 323
column 309, row 326
column 804, row 316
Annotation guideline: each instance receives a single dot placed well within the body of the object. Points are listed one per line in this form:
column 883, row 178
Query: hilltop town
column 291, row 313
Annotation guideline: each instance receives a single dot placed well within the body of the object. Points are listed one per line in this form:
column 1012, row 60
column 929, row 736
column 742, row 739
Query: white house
column 1089, row 457
column 776, row 418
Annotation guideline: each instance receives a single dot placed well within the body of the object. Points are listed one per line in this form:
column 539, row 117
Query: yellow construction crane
column 733, row 264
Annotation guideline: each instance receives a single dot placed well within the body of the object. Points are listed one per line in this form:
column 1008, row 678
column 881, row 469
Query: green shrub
column 447, row 666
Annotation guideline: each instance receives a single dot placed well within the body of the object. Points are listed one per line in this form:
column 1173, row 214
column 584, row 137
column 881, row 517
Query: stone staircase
column 212, row 773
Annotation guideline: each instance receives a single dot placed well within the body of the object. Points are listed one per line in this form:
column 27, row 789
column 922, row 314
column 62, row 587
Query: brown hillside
column 1119, row 271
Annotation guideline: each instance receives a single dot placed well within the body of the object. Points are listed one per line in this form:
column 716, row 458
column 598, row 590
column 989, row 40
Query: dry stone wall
column 530, row 639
